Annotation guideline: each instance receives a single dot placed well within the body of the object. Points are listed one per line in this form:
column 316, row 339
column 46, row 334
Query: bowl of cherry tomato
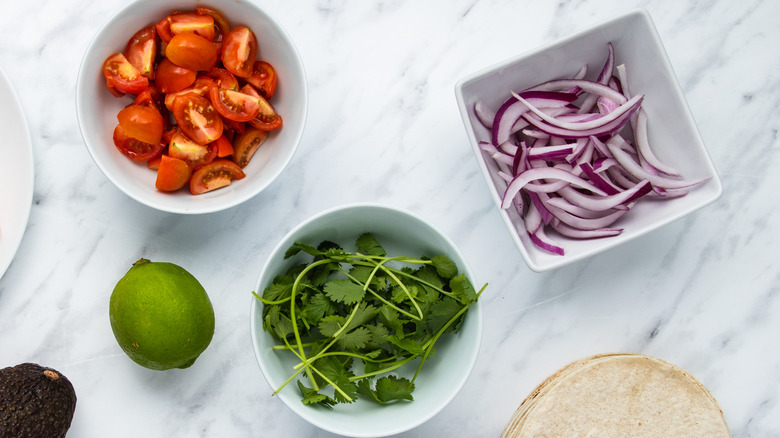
column 191, row 107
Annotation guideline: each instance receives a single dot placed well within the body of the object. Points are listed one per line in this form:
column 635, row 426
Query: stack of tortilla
column 619, row 395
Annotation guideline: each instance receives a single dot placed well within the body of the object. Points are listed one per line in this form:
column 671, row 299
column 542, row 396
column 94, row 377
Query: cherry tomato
column 219, row 20
column 192, row 153
column 191, row 51
column 141, row 51
column 152, row 97
column 223, row 78
column 172, row 174
column 123, row 77
column 171, row 78
column 246, row 144
column 267, row 119
column 201, row 88
column 142, row 122
column 219, row 173
column 224, row 146
column 163, row 28
column 239, row 51
column 235, row 105
column 202, row 25
column 263, row 78
column 197, row 118
column 135, row 149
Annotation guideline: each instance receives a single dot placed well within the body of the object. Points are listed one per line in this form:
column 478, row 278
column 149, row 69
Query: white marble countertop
column 702, row 293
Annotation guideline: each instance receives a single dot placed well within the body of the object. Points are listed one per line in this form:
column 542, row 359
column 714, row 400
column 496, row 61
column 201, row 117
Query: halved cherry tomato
column 201, row 88
column 223, row 78
column 122, row 76
column 197, row 118
column 219, row 173
column 191, row 51
column 246, row 144
column 154, row 163
column 267, row 119
column 151, row 96
column 224, row 146
column 135, row 149
column 171, row 78
column 235, row 105
column 141, row 51
column 192, row 153
column 142, row 122
column 202, row 25
column 239, row 51
column 163, row 28
column 263, row 78
column 219, row 20
column 172, row 174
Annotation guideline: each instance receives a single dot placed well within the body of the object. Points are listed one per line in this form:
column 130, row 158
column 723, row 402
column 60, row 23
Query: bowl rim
column 475, row 312
column 193, row 208
column 512, row 227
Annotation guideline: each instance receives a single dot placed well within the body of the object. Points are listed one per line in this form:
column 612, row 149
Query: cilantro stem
column 380, row 298
column 381, row 265
column 294, row 320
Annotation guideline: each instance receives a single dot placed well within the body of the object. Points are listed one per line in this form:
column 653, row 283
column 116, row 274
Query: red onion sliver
column 544, row 173
column 585, row 234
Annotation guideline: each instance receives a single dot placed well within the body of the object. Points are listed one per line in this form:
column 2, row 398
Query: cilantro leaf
column 277, row 323
column 367, row 244
column 462, row 288
column 329, row 325
column 440, row 313
column 406, row 344
column 312, row 397
column 444, row 266
column 354, row 340
column 390, row 388
column 318, row 306
column 344, row 291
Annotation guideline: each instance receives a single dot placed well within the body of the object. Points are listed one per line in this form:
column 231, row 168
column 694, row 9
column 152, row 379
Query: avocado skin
column 34, row 403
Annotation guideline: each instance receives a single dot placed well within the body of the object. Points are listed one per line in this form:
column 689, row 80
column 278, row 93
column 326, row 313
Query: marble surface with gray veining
column 702, row 293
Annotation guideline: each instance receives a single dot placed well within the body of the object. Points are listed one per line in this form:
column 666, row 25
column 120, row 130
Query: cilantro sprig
column 353, row 318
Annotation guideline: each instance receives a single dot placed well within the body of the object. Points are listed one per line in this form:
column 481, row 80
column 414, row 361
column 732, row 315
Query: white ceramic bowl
column 400, row 233
column 97, row 108
column 673, row 133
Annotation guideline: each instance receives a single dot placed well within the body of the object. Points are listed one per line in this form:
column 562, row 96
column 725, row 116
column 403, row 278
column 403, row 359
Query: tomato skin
column 122, row 77
column 267, row 119
column 134, row 149
column 171, row 78
column 246, row 144
column 163, row 28
column 141, row 51
column 263, row 78
column 223, row 78
column 142, row 122
column 219, row 20
column 197, row 118
column 235, row 105
column 199, row 24
column 215, row 175
column 194, row 154
column 152, row 97
column 224, row 146
column 192, row 52
column 172, row 174
column 201, row 88
column 239, row 51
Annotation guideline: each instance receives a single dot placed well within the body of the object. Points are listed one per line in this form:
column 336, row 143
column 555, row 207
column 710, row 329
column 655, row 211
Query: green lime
column 161, row 315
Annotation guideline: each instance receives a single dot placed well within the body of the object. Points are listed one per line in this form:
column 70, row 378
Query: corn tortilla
column 619, row 395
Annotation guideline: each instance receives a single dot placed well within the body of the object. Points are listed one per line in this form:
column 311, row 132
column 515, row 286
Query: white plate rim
column 14, row 209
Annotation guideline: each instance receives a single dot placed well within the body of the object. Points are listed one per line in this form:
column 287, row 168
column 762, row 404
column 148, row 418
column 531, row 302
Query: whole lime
column 161, row 315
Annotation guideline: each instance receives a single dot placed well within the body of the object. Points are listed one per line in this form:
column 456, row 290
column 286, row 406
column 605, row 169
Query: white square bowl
column 672, row 131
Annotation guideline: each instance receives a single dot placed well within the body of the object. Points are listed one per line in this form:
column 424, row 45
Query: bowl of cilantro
column 375, row 291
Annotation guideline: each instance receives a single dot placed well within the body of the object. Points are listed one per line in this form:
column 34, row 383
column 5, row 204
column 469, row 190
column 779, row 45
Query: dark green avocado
column 35, row 402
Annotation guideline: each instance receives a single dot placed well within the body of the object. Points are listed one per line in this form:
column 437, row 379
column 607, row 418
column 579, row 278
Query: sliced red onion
column 577, row 188
column 510, row 111
column 585, row 234
column 544, row 173
column 484, row 114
